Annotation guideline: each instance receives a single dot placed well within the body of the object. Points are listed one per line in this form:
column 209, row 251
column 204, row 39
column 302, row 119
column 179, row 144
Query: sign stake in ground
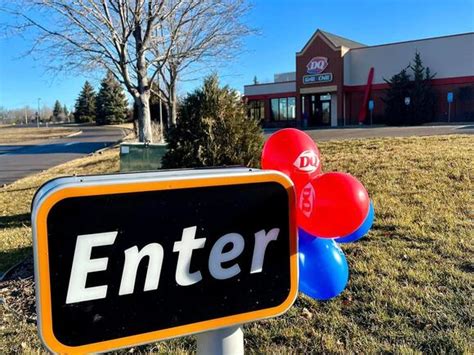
column 128, row 259
column 221, row 341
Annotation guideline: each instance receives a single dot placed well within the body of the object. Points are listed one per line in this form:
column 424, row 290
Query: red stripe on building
column 270, row 96
column 435, row 82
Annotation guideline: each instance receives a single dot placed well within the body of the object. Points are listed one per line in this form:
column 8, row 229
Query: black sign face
column 129, row 264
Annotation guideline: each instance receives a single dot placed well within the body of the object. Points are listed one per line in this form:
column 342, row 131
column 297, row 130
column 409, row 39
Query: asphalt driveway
column 20, row 160
column 325, row 134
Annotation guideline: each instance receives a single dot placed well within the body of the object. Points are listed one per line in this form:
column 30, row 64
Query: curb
column 114, row 144
column 74, row 134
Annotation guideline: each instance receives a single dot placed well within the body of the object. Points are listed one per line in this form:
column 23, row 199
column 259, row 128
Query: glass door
column 326, row 113
column 316, row 109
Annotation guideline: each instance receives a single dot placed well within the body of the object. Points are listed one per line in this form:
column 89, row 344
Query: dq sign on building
column 134, row 258
column 315, row 69
column 317, row 65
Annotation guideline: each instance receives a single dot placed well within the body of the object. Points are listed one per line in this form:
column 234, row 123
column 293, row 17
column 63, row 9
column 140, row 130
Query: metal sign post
column 371, row 109
column 226, row 341
column 450, row 100
column 140, row 257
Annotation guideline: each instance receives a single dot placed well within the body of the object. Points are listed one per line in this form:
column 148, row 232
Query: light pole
column 39, row 113
column 162, row 139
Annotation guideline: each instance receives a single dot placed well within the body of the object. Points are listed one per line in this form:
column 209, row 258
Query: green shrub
column 213, row 130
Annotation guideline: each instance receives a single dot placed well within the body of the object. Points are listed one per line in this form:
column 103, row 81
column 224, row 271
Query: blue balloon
column 324, row 272
column 362, row 230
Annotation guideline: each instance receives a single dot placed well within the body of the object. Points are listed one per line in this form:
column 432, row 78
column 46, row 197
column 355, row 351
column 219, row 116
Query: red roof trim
column 435, row 82
column 270, row 96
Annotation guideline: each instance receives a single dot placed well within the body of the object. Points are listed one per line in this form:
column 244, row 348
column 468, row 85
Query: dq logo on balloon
column 307, row 161
column 306, row 200
column 331, row 207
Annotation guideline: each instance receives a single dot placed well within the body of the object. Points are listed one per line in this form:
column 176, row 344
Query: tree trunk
column 172, row 96
column 173, row 105
column 144, row 118
column 142, row 97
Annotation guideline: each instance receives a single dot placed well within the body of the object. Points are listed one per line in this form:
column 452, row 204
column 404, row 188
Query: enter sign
column 128, row 259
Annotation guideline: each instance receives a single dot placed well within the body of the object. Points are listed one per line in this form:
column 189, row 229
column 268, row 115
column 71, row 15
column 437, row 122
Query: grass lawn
column 411, row 282
column 10, row 134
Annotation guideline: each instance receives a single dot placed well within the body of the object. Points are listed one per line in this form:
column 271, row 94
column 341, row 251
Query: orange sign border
column 42, row 272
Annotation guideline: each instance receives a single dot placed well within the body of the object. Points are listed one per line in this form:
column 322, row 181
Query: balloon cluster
column 330, row 207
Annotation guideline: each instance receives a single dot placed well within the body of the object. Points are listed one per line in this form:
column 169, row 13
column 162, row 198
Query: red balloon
column 294, row 153
column 331, row 205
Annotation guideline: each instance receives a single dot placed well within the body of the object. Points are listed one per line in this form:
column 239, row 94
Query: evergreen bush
column 213, row 130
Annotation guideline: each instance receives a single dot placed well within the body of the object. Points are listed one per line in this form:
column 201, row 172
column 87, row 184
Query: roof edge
column 413, row 40
column 313, row 37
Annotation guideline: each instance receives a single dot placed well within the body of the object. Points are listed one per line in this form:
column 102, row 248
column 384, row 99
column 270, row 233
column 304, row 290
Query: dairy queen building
column 340, row 82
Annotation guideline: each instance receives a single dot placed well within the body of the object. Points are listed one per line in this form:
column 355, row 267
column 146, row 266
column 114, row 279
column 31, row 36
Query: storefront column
column 333, row 110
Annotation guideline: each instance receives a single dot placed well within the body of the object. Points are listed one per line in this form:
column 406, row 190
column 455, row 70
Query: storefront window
column 291, row 108
column 283, row 108
column 257, row 109
column 275, row 110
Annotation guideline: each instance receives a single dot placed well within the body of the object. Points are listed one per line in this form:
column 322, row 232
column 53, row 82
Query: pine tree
column 58, row 112
column 423, row 98
column 419, row 90
column 213, row 130
column 85, row 104
column 111, row 101
column 396, row 111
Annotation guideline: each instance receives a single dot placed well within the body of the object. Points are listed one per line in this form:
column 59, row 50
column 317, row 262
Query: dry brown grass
column 411, row 281
column 12, row 134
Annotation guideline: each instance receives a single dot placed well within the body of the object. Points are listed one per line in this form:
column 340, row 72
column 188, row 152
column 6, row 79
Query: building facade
column 341, row 82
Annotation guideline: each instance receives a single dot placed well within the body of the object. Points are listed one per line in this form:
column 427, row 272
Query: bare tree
column 114, row 34
column 206, row 33
column 134, row 39
column 22, row 115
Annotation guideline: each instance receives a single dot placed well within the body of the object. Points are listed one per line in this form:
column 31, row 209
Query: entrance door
column 326, row 113
column 319, row 110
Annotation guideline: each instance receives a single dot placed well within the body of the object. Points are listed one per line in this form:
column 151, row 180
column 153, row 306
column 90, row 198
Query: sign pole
column 449, row 112
column 450, row 99
column 371, row 109
column 225, row 341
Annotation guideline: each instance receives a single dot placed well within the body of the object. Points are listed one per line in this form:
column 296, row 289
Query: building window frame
column 256, row 109
column 283, row 108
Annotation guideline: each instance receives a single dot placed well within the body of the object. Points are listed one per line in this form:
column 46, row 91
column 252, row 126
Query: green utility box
column 141, row 156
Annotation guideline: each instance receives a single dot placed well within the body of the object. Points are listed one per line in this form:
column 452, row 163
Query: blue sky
column 284, row 25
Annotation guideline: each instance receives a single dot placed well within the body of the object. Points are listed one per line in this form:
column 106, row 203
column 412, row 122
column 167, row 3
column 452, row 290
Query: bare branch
column 139, row 41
